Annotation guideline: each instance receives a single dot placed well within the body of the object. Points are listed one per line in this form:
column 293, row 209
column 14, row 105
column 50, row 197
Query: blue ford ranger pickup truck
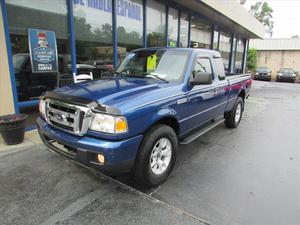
column 135, row 119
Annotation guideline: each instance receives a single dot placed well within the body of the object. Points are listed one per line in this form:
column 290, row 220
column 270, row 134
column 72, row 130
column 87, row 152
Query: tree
column 251, row 59
column 263, row 13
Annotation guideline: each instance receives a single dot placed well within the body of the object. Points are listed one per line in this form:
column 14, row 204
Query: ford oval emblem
column 58, row 116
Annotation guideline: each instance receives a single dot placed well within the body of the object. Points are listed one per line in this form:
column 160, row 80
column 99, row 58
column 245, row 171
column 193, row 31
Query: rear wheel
column 233, row 117
column 156, row 156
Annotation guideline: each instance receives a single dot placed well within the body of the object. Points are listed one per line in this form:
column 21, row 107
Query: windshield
column 168, row 65
column 18, row 61
column 262, row 69
column 286, row 70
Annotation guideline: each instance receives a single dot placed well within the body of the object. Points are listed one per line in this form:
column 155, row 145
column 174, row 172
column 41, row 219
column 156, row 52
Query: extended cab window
column 220, row 71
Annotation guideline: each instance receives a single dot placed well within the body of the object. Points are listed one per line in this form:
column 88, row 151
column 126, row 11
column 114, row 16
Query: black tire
column 230, row 121
column 142, row 172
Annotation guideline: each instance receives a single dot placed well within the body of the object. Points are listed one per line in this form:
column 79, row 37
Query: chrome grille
column 68, row 117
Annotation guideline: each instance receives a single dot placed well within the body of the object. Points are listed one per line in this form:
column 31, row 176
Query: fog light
column 100, row 158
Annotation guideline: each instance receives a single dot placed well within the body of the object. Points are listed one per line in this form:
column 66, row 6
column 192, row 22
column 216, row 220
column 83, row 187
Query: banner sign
column 124, row 8
column 43, row 51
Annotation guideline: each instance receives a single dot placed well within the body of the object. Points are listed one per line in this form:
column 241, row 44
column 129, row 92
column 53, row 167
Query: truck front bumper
column 119, row 155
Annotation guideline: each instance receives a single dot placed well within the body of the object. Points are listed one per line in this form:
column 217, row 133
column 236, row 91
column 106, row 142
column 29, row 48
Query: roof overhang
column 228, row 14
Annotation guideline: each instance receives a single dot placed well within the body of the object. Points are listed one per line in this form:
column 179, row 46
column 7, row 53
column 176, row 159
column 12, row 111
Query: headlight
column 108, row 123
column 42, row 108
column 279, row 74
column 256, row 73
column 293, row 75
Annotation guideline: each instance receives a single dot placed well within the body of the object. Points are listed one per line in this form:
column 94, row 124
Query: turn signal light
column 121, row 125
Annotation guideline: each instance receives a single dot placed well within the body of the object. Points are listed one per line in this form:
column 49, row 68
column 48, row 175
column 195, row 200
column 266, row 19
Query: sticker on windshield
column 151, row 62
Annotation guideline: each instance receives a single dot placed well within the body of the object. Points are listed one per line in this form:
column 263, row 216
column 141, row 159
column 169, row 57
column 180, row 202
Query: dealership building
column 93, row 36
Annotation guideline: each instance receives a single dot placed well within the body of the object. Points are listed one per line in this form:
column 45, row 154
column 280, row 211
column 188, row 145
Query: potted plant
column 12, row 128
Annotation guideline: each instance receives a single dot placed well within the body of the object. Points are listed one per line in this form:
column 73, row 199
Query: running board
column 198, row 133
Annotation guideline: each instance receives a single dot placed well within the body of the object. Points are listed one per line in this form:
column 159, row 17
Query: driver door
column 201, row 97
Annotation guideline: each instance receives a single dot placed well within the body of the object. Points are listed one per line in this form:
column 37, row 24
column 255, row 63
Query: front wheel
column 156, row 156
column 233, row 117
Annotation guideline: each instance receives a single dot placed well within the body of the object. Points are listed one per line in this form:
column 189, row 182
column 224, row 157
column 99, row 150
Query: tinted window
column 219, row 65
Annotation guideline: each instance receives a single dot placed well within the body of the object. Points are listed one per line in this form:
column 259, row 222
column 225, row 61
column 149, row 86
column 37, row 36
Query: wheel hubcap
column 238, row 113
column 161, row 156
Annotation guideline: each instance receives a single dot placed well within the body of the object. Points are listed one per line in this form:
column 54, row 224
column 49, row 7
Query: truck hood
column 112, row 92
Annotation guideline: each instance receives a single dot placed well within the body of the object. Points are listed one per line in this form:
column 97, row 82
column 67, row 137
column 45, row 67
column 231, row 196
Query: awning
column 229, row 14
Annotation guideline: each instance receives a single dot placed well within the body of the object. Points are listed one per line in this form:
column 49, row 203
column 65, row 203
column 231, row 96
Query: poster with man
column 43, row 51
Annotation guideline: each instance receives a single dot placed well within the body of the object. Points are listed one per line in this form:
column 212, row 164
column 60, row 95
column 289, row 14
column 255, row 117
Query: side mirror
column 199, row 78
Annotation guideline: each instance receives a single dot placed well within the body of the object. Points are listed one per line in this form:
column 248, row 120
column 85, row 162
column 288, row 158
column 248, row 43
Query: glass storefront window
column 184, row 30
column 224, row 48
column 233, row 55
column 130, row 26
column 200, row 33
column 216, row 40
column 173, row 27
column 93, row 36
column 239, row 56
column 156, row 24
column 46, row 15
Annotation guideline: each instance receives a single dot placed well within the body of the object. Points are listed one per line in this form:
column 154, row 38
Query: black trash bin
column 12, row 128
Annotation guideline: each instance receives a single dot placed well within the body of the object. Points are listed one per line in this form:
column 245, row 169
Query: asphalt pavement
column 249, row 175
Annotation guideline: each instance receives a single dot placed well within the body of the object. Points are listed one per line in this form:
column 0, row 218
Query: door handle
column 216, row 90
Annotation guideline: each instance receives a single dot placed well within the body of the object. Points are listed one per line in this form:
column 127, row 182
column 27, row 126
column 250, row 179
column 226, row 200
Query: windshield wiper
column 122, row 74
column 158, row 77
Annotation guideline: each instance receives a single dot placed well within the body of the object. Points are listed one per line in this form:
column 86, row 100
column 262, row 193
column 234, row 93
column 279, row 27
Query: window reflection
column 216, row 40
column 156, row 24
column 93, row 37
column 224, row 48
column 54, row 18
column 239, row 56
column 130, row 26
column 173, row 27
column 184, row 30
column 200, row 34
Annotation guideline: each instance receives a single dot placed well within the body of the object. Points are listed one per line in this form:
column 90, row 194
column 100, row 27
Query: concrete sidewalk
column 31, row 139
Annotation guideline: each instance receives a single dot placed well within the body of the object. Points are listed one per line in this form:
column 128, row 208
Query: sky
column 286, row 17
